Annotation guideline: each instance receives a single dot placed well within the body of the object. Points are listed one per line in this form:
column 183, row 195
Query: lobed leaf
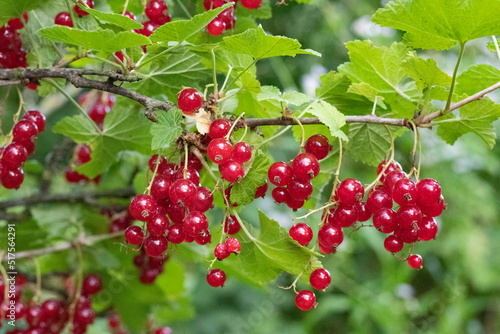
column 330, row 116
column 115, row 19
column 166, row 129
column 243, row 193
column 477, row 78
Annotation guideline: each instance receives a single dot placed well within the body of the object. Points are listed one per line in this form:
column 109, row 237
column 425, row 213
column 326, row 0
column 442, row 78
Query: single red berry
column 232, row 171
column 160, row 188
column 300, row 189
column 233, row 245
column 305, row 166
column 415, row 261
column 34, row 315
column 305, row 300
column 155, row 246
column 220, row 151
column 301, row 233
column 216, row 27
column 64, row 19
column 162, row 164
column 189, row 100
column 24, row 132
column 363, row 212
column 227, row 16
column 219, row 128
column 393, row 166
column 391, row 179
column 318, row 145
column 183, row 192
column 92, row 284
column 191, row 175
column 12, row 178
column 142, row 207
column 350, row 191
column 148, row 275
column 157, row 225
column 435, row 209
column 320, row 279
column 114, row 321
column 81, row 12
column 429, row 192
column 251, row 4
column 428, row 229
column 408, row 236
column 176, row 234
column 134, row 235
column 157, row 11
column 204, row 237
column 344, row 216
column 98, row 112
column 378, row 200
column 280, row 194
column 216, row 278
column 14, row 156
column 404, row 192
column 176, row 213
column 231, row 225
column 84, row 154
column 211, row 4
column 37, row 118
column 204, row 199
column 408, row 216
column 280, row 173
column 193, row 162
column 51, row 309
column 242, row 152
column 261, row 191
column 130, row 15
column 393, row 244
column 294, row 203
column 194, row 223
column 384, row 220
column 330, row 236
column 221, row 252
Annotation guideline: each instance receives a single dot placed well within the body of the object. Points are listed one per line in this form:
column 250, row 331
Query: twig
column 252, row 122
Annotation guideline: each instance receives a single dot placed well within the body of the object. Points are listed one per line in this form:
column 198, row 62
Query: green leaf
column 181, row 30
column 243, row 193
column 10, row 9
column 102, row 40
column 475, row 117
column 368, row 143
column 116, row 19
column 366, row 90
column 264, row 257
column 166, row 129
column 492, row 47
column 330, row 116
column 441, row 24
column 290, row 97
column 125, row 128
column 476, row 78
column 259, row 45
column 426, row 73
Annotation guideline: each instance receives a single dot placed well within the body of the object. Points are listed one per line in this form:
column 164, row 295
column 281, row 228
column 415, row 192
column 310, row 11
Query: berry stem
column 244, row 134
column 495, row 42
column 125, row 7
column 216, row 89
column 70, row 99
column 232, row 126
column 225, row 80
column 303, row 138
column 327, row 205
column 38, row 290
column 186, row 152
column 416, row 140
column 148, row 189
column 222, row 236
column 337, row 173
column 198, row 154
column 453, row 80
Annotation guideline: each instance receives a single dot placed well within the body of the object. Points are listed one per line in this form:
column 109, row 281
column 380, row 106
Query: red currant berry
column 98, row 112
column 157, row 11
column 233, row 245
column 211, row 4
column 34, row 315
column 160, row 188
column 261, row 191
column 193, row 162
column 415, row 261
column 393, row 244
column 428, row 229
column 24, row 132
column 216, row 27
column 384, row 220
column 294, row 203
column 318, row 145
column 300, row 189
column 155, row 246
column 320, row 279
column 330, row 236
column 280, row 173
column 393, row 166
column 231, row 225
column 392, row 178
column 157, row 225
column 429, row 192
column 189, row 100
column 216, row 278
column 91, row 285
column 301, row 233
column 363, row 212
column 378, row 200
column 183, row 192
column 191, row 175
column 142, row 207
column 176, row 213
column 162, row 164
column 83, row 154
column 219, row 128
column 13, row 178
column 242, row 152
column 350, row 191
column 51, row 309
column 404, row 192
column 227, row 16
column 344, row 216
column 64, row 19
column 148, row 275
column 204, row 237
column 114, row 321
column 220, row 151
column 134, row 235
column 280, row 194
column 232, row 171
column 408, row 236
column 194, row 223
column 14, row 156
column 204, row 199
column 251, row 4
column 305, row 166
column 408, row 216
column 221, row 252
column 176, row 234
column 305, row 300
column 130, row 15
column 435, row 209
column 37, row 118
column 81, row 12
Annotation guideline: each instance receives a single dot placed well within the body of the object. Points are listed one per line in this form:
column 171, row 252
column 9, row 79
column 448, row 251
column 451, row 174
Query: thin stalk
column 216, row 90
column 374, row 106
column 232, row 126
column 184, row 9
column 495, row 42
column 453, row 80
column 148, row 189
column 125, row 7
column 303, row 138
column 227, row 78
column 337, row 173
column 414, row 150
column 38, row 291
column 186, row 152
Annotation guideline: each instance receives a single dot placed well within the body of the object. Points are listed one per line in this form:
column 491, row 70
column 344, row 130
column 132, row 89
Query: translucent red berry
column 344, row 216
column 393, row 244
column 220, row 151
column 36, row 118
column 301, row 233
column 429, row 192
column 92, row 284
column 435, row 209
column 251, row 4
column 204, row 237
column 14, row 156
column 233, row 245
column 155, row 246
column 415, row 261
column 160, row 187
column 428, row 229
column 294, row 203
column 216, row 278
column 216, row 27
column 221, row 251
column 219, row 128
column 189, row 100
column 204, row 199
column 280, row 173
column 64, row 19
column 404, row 192
column 364, row 212
column 176, row 234
column 211, row 4
column 378, row 200
column 134, row 235
column 408, row 216
column 80, row 11
column 162, row 164
column 330, row 236
column 280, row 194
column 320, row 279
column 318, row 145
column 350, row 191
column 142, row 207
column 242, row 152
column 393, row 166
column 305, row 300
column 408, row 236
column 300, row 189
column 232, row 171
column 391, row 179
column 384, row 220
column 24, row 132
column 261, row 191
column 183, row 192
column 231, row 225
column 305, row 166
column 157, row 11
column 194, row 223
column 157, row 225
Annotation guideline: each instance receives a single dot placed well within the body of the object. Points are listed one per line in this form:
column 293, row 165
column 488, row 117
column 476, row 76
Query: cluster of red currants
column 52, row 316
column 64, row 18
column 11, row 53
column 81, row 155
column 293, row 183
column 13, row 156
column 114, row 324
column 227, row 19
